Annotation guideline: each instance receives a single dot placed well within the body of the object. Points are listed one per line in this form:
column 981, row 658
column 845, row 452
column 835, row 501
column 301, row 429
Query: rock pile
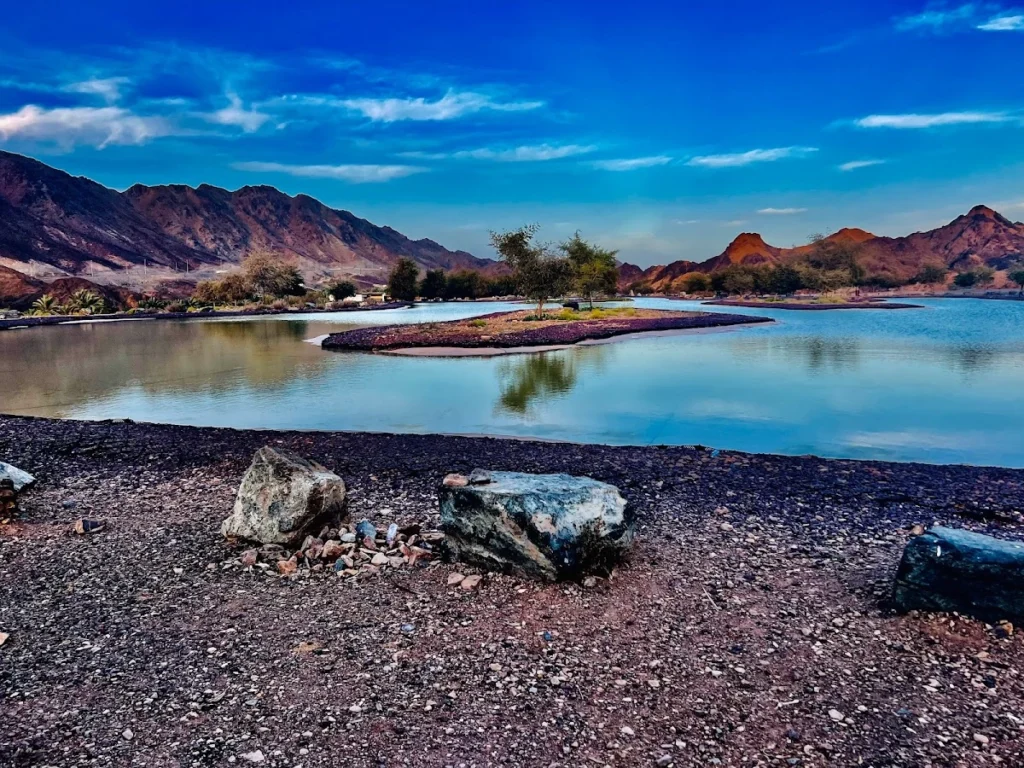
column 547, row 527
column 350, row 551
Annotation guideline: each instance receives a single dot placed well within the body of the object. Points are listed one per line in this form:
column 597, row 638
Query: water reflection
column 817, row 353
column 528, row 380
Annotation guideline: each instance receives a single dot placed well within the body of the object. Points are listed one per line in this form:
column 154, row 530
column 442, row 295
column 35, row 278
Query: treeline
column 405, row 284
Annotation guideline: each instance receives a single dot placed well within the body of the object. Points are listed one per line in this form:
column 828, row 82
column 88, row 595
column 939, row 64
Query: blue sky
column 655, row 128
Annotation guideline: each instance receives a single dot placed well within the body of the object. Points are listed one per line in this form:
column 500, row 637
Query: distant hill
column 51, row 219
column 980, row 237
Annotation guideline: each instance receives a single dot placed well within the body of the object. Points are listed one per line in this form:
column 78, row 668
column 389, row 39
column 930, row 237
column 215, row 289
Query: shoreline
column 798, row 306
column 31, row 321
column 558, row 334
column 756, row 594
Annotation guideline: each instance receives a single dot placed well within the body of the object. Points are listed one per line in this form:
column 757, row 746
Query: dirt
column 750, row 626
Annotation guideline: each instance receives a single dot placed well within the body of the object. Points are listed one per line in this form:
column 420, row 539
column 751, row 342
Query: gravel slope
column 748, row 628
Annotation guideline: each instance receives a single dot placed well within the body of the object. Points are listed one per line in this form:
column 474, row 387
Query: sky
column 658, row 129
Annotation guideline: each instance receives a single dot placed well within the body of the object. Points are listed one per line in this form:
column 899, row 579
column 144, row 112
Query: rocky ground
column 750, row 625
column 522, row 329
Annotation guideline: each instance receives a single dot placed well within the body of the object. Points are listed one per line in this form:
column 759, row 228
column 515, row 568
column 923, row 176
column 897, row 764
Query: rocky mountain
column 51, row 219
column 980, row 237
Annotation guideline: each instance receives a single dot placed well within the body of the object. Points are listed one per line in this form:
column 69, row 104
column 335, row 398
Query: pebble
column 627, row 731
column 127, row 734
column 836, row 715
column 256, row 756
column 471, row 582
column 454, row 578
column 981, row 738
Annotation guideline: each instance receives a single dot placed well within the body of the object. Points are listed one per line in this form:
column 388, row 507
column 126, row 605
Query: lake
column 944, row 383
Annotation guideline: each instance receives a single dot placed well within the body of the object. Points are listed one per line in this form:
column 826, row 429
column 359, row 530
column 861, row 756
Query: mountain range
column 71, row 225
column 980, row 237
column 53, row 224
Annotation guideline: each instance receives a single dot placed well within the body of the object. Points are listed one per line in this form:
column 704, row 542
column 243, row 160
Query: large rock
column 546, row 526
column 946, row 569
column 283, row 497
column 19, row 477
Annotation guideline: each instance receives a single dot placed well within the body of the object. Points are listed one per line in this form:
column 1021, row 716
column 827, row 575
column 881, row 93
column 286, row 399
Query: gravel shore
column 749, row 627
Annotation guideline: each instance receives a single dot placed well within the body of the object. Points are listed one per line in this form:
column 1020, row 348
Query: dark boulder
column 946, row 569
column 546, row 526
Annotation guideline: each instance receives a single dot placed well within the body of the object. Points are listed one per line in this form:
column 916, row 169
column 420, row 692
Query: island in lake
column 527, row 330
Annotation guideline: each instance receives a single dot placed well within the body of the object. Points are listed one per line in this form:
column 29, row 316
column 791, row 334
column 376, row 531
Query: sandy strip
column 497, row 351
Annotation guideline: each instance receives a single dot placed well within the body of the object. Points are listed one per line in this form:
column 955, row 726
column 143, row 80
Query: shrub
column 478, row 323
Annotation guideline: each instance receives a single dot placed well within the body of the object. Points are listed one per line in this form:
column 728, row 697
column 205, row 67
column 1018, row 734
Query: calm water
column 939, row 384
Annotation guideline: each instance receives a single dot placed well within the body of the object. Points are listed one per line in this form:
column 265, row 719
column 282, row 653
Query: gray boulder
column 282, row 498
column 546, row 526
column 946, row 569
column 19, row 477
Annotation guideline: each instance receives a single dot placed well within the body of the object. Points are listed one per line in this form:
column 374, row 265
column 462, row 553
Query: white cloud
column 781, row 211
column 71, row 126
column 527, row 153
column 632, row 163
column 357, row 174
column 450, row 106
column 235, row 114
column 746, row 158
column 931, row 121
column 107, row 88
column 937, row 18
column 853, row 165
column 1013, row 23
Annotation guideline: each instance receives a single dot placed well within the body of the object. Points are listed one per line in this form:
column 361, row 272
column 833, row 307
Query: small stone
column 838, row 623
column 1004, row 629
column 408, row 629
column 83, row 526
column 355, row 709
column 836, row 715
column 392, row 534
column 366, row 530
column 4, row 636
column 663, row 761
column 454, row 578
column 249, row 558
column 471, row 582
column 726, row 527
column 288, row 567
column 654, row 683
column 981, row 738
column 256, row 756
column 627, row 731
column 455, row 480
column 332, row 550
column 127, row 734
column 348, row 538
column 379, row 559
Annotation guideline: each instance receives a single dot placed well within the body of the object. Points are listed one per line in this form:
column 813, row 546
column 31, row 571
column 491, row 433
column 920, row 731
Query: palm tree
column 45, row 305
column 86, row 302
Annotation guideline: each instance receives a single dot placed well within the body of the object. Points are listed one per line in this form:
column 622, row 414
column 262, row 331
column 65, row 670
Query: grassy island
column 506, row 330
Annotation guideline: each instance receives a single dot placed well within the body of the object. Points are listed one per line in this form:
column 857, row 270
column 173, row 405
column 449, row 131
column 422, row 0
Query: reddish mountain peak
column 851, row 235
column 983, row 210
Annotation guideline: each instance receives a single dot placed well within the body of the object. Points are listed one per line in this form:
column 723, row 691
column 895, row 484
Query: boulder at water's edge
column 282, row 497
column 946, row 569
column 546, row 526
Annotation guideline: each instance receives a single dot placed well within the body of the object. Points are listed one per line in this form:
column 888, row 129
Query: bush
column 478, row 323
column 343, row 290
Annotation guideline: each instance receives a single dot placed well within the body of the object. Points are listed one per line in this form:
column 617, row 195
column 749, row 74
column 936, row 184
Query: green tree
column 45, row 305
column 403, row 280
column 433, row 284
column 641, row 288
column 965, row 280
column 783, row 279
column 1017, row 276
column 695, row 282
column 86, row 302
column 593, row 268
column 268, row 275
column 539, row 273
column 985, row 275
column 931, row 274
column 343, row 290
column 464, row 284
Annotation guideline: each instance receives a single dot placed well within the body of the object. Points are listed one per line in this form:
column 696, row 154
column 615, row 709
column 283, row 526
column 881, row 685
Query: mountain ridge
column 981, row 237
column 73, row 225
